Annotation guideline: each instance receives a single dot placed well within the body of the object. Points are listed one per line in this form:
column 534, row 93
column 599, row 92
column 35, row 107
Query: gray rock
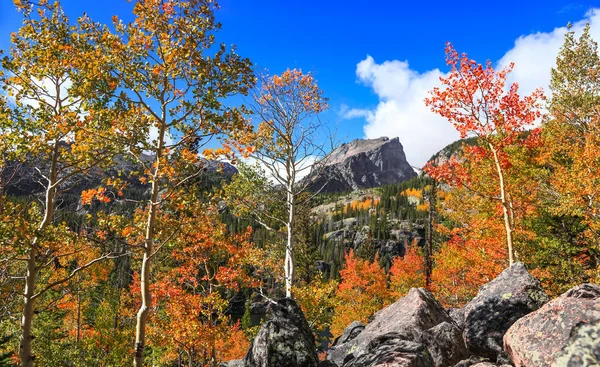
column 327, row 363
column 458, row 316
column 408, row 317
column 471, row 361
column 233, row 363
column 392, row 350
column 583, row 348
column 537, row 339
column 350, row 332
column 499, row 303
column 284, row 340
column 362, row 164
column 322, row 267
column 391, row 248
column 445, row 344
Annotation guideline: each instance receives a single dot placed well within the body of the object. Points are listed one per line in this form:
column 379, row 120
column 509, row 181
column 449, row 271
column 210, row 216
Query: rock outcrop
column 445, row 344
column 554, row 330
column 583, row 348
column 407, row 318
column 392, row 349
column 350, row 333
column 362, row 164
column 510, row 296
column 416, row 331
column 284, row 340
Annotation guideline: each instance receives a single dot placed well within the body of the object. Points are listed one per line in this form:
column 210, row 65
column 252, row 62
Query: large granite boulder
column 350, row 332
column 458, row 316
column 341, row 345
column 284, row 340
column 553, row 331
column 583, row 348
column 392, row 350
column 445, row 344
column 501, row 302
column 362, row 163
column 472, row 361
column 233, row 363
column 408, row 318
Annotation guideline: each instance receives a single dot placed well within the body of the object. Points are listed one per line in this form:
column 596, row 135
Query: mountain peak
column 364, row 163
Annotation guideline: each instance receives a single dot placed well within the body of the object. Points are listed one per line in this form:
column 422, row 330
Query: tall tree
column 474, row 100
column 54, row 101
column 173, row 80
column 571, row 138
column 293, row 139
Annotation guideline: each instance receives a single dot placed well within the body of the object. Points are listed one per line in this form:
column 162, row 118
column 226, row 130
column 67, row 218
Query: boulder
column 445, row 344
column 350, row 332
column 458, row 316
column 341, row 345
column 583, row 348
column 284, row 340
column 499, row 303
column 233, row 363
column 471, row 361
column 392, row 350
column 408, row 318
column 539, row 338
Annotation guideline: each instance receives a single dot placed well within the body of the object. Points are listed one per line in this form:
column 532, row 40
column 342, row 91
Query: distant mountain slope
column 363, row 163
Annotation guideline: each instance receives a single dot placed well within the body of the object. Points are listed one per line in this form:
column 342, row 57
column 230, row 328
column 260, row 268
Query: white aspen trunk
column 142, row 315
column 505, row 207
column 289, row 256
column 25, row 352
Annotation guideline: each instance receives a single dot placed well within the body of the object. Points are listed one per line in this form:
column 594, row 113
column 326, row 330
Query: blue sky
column 405, row 40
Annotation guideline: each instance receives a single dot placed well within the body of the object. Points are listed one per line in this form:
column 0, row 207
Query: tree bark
column 505, row 207
column 289, row 256
column 429, row 254
column 25, row 352
column 142, row 315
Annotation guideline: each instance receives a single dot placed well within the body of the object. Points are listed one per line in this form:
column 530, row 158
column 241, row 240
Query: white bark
column 142, row 315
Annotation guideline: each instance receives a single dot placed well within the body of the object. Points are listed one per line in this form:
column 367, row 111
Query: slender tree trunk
column 142, row 315
column 25, row 352
column 429, row 259
column 289, row 256
column 505, row 207
column 78, row 335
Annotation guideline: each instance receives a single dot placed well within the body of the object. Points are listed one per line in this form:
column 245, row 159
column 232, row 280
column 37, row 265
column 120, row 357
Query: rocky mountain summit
column 510, row 322
column 363, row 163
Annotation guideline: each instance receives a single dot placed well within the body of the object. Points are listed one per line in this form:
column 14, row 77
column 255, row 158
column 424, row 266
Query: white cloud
column 273, row 169
column 535, row 54
column 401, row 90
column 401, row 111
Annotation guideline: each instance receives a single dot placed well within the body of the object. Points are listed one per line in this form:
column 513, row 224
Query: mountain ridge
column 362, row 163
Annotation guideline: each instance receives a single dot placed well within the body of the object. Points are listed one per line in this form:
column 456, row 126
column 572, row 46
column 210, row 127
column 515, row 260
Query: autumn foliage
column 191, row 298
column 101, row 265
column 362, row 291
column 407, row 271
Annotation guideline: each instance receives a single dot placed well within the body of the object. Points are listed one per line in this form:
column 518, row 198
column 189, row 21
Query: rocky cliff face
column 363, row 164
